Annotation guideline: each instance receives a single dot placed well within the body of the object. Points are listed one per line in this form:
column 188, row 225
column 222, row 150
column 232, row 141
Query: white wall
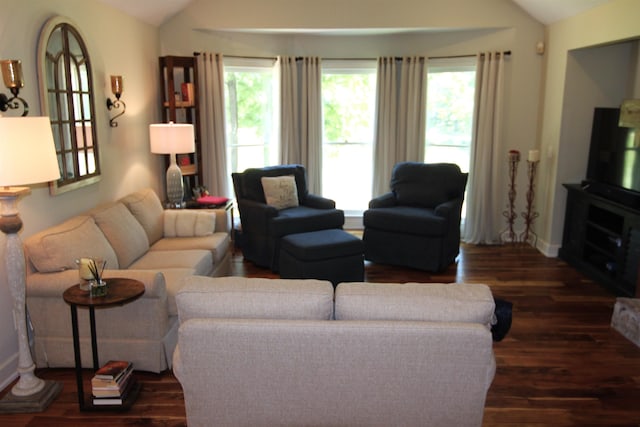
column 422, row 27
column 117, row 44
column 592, row 61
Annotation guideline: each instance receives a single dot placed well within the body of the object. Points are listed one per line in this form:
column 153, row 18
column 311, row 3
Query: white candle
column 85, row 272
column 534, row 156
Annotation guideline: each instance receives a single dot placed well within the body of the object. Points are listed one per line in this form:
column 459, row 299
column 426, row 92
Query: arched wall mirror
column 66, row 96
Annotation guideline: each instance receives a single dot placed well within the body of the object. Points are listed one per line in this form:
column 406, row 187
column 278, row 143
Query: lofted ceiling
column 550, row 11
column 156, row 12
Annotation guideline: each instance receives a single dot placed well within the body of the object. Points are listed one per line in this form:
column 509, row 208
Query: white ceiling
column 156, row 12
column 550, row 11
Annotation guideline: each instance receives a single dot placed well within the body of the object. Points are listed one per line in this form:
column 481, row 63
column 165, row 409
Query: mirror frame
column 70, row 145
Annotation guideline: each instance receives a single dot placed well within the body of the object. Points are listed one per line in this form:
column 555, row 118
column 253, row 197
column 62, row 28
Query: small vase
column 98, row 288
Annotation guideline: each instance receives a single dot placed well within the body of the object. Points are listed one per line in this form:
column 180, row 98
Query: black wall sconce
column 13, row 80
column 116, row 88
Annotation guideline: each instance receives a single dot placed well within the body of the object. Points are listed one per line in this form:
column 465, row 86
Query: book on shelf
column 110, row 387
column 113, row 369
column 188, row 93
column 118, row 399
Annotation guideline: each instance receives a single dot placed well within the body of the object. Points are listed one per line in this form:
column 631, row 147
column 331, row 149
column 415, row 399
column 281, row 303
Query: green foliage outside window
column 347, row 107
column 450, row 99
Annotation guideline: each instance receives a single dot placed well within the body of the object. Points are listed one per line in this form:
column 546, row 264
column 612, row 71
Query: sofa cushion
column 406, row 219
column 302, row 219
column 188, row 223
column 147, row 209
column 280, row 191
column 57, row 248
column 254, row 298
column 199, row 260
column 124, row 232
column 217, row 243
column 433, row 302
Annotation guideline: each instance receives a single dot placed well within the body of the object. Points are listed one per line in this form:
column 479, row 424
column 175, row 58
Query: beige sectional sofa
column 140, row 240
column 261, row 352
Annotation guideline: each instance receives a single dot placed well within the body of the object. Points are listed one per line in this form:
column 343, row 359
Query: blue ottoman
column 333, row 255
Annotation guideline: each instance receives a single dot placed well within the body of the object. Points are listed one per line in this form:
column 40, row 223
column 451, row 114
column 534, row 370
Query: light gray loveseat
column 139, row 240
column 277, row 352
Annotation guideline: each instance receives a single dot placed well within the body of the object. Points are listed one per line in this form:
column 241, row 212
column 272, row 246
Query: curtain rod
column 505, row 53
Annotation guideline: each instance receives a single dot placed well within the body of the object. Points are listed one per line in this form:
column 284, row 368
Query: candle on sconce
column 12, row 74
column 116, row 85
column 534, row 156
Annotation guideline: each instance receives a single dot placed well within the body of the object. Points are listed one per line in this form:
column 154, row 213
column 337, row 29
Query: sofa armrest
column 319, row 202
column 386, row 200
column 223, row 220
column 52, row 323
column 176, row 366
column 255, row 215
column 449, row 208
column 54, row 284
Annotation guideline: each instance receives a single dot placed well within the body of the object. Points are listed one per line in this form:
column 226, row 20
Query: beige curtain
column 289, row 109
column 485, row 188
column 212, row 126
column 412, row 110
column 386, row 124
column 401, row 98
column 301, row 116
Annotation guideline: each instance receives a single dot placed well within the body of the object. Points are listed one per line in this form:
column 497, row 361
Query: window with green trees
column 450, row 104
column 348, row 109
column 250, row 114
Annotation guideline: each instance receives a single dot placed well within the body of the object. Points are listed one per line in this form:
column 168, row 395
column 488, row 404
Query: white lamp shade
column 27, row 151
column 172, row 138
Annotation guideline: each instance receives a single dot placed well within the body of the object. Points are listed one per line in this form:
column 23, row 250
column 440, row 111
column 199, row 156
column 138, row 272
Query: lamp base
column 37, row 402
column 175, row 186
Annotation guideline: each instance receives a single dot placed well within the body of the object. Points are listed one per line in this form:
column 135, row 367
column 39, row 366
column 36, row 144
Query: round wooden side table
column 120, row 291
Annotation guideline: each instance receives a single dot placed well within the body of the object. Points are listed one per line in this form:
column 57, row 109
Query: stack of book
column 112, row 383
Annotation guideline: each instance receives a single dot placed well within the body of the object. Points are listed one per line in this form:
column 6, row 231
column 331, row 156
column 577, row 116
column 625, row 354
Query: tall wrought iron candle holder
column 529, row 236
column 509, row 235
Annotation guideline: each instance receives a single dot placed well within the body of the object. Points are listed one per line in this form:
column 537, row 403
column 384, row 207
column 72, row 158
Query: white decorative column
column 10, row 224
column 30, row 393
column 27, row 156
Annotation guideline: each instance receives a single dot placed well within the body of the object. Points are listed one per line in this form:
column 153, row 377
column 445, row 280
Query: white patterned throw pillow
column 280, row 191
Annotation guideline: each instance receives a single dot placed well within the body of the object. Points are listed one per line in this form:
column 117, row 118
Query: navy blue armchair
column 417, row 224
column 264, row 225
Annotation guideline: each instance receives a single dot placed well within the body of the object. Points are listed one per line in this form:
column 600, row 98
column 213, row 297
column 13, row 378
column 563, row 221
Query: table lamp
column 172, row 138
column 27, row 156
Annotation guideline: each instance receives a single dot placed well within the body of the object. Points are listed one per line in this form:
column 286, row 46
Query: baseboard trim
column 547, row 249
column 8, row 371
column 353, row 223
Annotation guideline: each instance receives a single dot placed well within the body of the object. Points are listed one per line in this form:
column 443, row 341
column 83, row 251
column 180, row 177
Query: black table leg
column 77, row 355
column 94, row 340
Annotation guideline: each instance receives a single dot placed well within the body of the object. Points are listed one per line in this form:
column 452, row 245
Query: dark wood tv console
column 602, row 240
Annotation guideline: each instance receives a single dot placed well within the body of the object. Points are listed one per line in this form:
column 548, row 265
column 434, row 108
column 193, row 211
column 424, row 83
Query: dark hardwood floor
column 560, row 365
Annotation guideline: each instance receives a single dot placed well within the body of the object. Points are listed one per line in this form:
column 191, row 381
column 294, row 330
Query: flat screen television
column 613, row 170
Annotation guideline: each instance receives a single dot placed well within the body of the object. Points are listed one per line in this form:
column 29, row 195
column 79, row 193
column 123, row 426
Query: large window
column 251, row 103
column 348, row 109
column 450, row 100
